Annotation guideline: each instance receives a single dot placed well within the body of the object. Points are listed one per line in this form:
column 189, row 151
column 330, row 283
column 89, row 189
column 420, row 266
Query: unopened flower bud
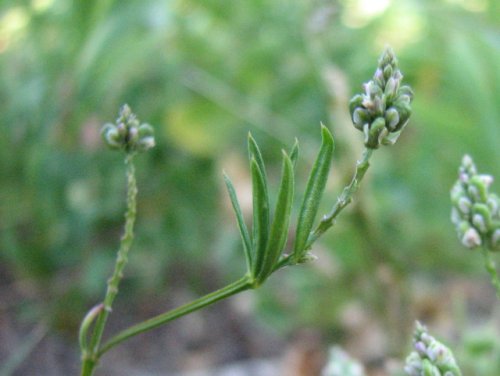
column 133, row 135
column 391, row 87
column 112, row 138
column 127, row 133
column 360, row 117
column 471, row 238
column 493, row 203
column 373, row 134
column 487, row 180
column 464, row 205
column 479, row 223
column 146, row 143
column 468, row 164
column 478, row 182
column 392, row 118
column 473, row 192
column 387, row 72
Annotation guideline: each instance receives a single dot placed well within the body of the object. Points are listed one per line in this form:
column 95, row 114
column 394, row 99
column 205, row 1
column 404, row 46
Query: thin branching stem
column 240, row 285
column 345, row 198
column 91, row 357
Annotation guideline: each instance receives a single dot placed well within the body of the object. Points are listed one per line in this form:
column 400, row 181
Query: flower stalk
column 345, row 198
column 130, row 136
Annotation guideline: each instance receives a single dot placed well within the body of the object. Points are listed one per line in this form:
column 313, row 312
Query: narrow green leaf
column 312, row 196
column 294, row 153
column 245, row 237
column 260, row 215
column 254, row 152
column 279, row 227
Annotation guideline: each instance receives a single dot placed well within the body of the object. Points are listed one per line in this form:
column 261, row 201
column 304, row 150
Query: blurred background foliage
column 204, row 73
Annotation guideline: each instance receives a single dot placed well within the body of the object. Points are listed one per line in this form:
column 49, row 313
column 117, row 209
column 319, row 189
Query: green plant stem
column 240, row 285
column 489, row 264
column 90, row 356
column 345, row 198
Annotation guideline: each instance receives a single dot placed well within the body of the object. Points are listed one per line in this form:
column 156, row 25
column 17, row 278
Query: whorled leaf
column 245, row 236
column 281, row 220
column 312, row 196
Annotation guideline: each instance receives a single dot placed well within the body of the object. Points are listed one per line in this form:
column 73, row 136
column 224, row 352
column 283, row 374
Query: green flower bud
column 373, row 133
column 464, row 204
column 479, row 222
column 405, row 94
column 122, row 129
column 392, row 118
column 355, row 102
column 471, row 238
column 479, row 187
column 404, row 111
column 483, row 211
column 127, row 133
column 111, row 136
column 391, row 88
column 493, row 204
column 387, row 72
column 133, row 135
column 145, row 143
column 360, row 117
column 146, row 130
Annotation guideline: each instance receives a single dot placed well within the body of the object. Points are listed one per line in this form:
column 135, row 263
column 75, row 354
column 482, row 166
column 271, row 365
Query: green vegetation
column 205, row 73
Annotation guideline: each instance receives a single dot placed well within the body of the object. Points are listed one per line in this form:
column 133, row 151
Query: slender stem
column 90, row 356
column 344, row 199
column 240, row 285
column 489, row 264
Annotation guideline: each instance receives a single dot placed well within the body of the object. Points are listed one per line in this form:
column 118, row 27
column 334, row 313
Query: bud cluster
column 383, row 110
column 127, row 133
column 430, row 357
column 476, row 211
column 341, row 364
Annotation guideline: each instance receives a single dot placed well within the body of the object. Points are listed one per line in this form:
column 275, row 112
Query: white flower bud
column 379, row 75
column 464, row 205
column 471, row 238
column 122, row 129
column 133, row 135
column 473, row 192
column 146, row 143
column 468, row 163
column 487, row 180
column 494, row 205
column 391, row 87
column 392, row 118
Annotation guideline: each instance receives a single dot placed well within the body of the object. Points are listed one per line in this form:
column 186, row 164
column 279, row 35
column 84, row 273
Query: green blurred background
column 204, row 73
